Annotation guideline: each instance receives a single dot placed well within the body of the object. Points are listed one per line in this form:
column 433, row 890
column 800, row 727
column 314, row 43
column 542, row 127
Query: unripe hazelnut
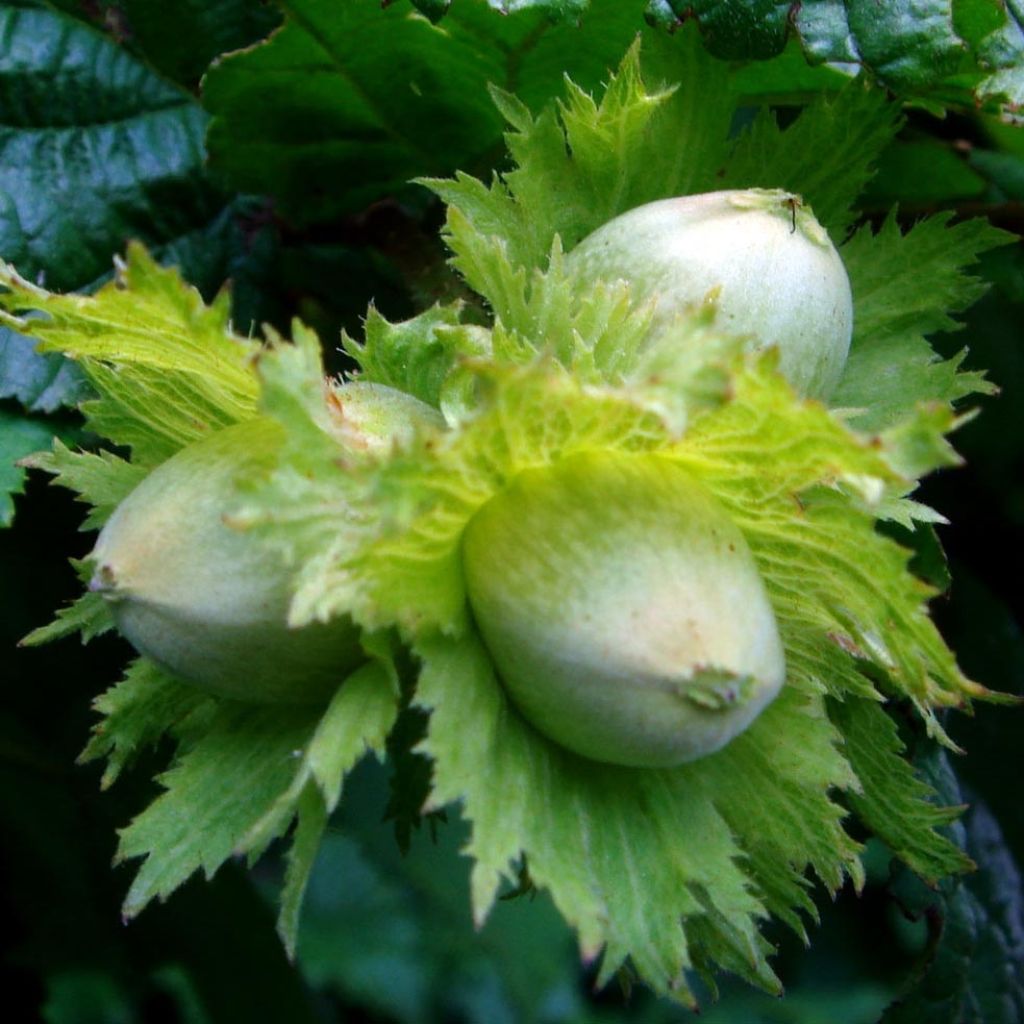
column 758, row 254
column 623, row 609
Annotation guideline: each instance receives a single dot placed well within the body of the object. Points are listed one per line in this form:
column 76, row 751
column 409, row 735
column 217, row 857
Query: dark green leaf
column 19, row 436
column 1004, row 170
column 237, row 246
column 556, row 10
column 181, row 39
column 910, row 45
column 788, row 78
column 922, row 172
column 973, row 968
column 347, row 103
column 944, row 47
column 731, row 28
column 178, row 40
column 825, row 31
column 42, row 383
column 433, row 9
column 80, row 997
column 976, row 19
column 907, row 43
column 94, row 149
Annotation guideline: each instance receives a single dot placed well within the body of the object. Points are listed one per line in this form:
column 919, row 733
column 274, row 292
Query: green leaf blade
column 41, row 383
column 20, row 436
column 310, row 108
column 906, row 286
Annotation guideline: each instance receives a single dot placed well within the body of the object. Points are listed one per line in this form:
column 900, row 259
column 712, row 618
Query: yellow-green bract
column 623, row 609
column 758, row 254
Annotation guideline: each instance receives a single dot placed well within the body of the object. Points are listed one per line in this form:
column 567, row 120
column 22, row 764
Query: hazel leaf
column 20, row 435
column 907, row 286
column 309, row 831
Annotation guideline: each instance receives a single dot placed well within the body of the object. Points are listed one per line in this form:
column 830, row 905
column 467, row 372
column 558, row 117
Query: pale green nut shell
column 623, row 609
column 758, row 254
column 206, row 602
column 374, row 418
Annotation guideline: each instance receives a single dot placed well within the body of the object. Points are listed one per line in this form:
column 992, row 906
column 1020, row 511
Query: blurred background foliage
column 270, row 146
